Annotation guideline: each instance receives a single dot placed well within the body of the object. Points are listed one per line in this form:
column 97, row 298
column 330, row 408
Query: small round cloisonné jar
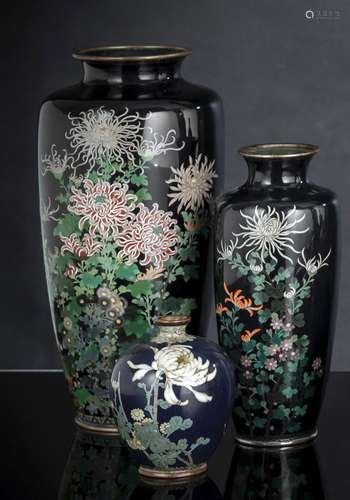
column 172, row 398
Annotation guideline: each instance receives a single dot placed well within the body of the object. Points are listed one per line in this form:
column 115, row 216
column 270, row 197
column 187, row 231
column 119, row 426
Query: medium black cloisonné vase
column 128, row 160
column 289, row 474
column 276, row 248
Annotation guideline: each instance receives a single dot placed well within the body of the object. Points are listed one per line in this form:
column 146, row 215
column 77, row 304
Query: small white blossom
column 313, row 265
column 289, row 294
column 160, row 144
column 227, row 250
column 56, row 163
column 316, row 364
column 137, row 414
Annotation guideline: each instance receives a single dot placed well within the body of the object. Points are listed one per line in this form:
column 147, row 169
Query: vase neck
column 130, row 73
column 131, row 65
column 276, row 164
column 172, row 328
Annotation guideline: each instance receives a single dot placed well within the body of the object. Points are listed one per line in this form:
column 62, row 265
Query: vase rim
column 132, row 53
column 278, row 150
column 172, row 320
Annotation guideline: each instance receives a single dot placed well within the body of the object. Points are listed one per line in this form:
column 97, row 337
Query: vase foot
column 277, row 443
column 97, row 429
column 179, row 473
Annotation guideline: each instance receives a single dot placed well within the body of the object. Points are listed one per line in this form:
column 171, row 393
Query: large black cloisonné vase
column 288, row 474
column 99, row 468
column 128, row 162
column 276, row 252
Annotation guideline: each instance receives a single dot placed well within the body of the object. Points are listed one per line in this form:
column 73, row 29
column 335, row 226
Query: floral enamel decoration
column 106, row 207
column 160, row 144
column 102, row 134
column 191, row 186
column 179, row 367
column 56, row 163
column 151, row 238
column 116, row 255
column 277, row 372
column 269, row 233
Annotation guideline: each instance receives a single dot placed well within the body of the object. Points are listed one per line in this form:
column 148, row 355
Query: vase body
column 282, row 474
column 128, row 159
column 276, row 252
column 98, row 467
column 172, row 399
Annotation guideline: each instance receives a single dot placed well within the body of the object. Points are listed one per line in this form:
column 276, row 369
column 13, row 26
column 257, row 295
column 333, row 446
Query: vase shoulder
column 276, row 195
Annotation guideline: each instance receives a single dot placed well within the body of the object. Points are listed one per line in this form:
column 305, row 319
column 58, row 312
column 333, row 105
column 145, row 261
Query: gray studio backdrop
column 282, row 77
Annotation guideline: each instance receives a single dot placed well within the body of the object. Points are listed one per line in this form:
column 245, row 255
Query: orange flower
column 248, row 334
column 240, row 301
column 221, row 309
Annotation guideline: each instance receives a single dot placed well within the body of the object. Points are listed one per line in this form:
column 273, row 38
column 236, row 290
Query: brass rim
column 305, row 150
column 110, row 431
column 172, row 320
column 172, row 474
column 174, row 52
column 277, row 443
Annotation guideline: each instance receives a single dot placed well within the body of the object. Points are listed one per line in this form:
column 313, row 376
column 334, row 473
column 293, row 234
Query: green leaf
column 90, row 281
column 139, row 180
column 264, row 315
column 260, row 298
column 143, row 195
column 82, row 395
column 300, row 411
column 260, row 422
column 142, row 287
column 176, row 305
column 190, row 272
column 299, row 320
column 138, row 327
column 126, row 272
column 289, row 392
column 281, row 412
column 67, row 225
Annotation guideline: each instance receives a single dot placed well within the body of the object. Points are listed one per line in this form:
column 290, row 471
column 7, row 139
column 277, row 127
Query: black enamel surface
column 280, row 185
column 39, row 463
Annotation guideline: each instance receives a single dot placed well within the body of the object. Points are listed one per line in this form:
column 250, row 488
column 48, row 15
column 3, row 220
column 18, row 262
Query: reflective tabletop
column 43, row 456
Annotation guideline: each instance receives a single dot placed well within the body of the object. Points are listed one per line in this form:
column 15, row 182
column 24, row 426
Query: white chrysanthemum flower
column 313, row 265
column 289, row 294
column 160, row 144
column 137, row 414
column 227, row 249
column 47, row 212
column 256, row 268
column 179, row 367
column 56, row 163
column 269, row 232
column 100, row 134
column 191, row 186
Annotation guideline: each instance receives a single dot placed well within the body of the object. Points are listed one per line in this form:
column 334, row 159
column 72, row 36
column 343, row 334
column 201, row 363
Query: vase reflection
column 288, row 474
column 200, row 488
column 98, row 468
